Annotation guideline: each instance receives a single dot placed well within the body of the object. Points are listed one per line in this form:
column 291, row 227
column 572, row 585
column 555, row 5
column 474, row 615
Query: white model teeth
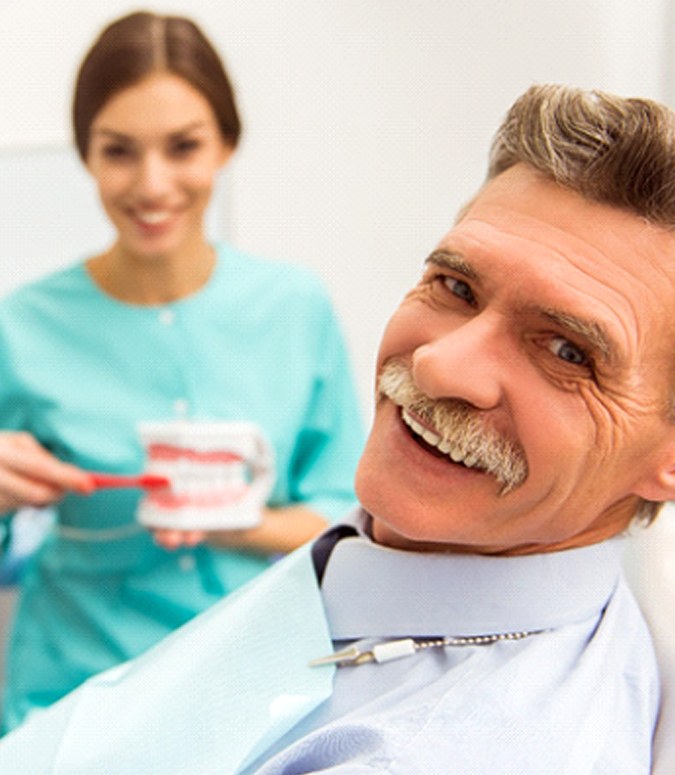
column 153, row 218
column 198, row 477
column 436, row 440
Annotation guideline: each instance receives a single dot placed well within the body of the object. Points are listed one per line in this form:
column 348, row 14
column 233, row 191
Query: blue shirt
column 581, row 696
column 79, row 369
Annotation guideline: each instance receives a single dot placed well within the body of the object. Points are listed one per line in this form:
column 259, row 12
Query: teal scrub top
column 79, row 370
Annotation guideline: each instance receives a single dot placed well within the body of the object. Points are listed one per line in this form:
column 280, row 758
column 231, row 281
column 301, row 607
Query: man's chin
column 387, row 533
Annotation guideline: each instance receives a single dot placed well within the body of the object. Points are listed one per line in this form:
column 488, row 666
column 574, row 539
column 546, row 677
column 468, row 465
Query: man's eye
column 460, row 289
column 566, row 351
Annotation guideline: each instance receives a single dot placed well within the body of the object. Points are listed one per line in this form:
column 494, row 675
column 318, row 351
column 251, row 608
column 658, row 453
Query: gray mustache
column 459, row 425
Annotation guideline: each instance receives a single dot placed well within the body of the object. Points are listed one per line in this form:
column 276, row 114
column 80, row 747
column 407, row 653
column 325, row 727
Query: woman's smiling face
column 154, row 151
column 547, row 320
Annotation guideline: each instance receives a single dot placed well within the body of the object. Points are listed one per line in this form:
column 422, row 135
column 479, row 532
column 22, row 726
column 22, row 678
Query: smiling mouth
column 152, row 218
column 434, row 443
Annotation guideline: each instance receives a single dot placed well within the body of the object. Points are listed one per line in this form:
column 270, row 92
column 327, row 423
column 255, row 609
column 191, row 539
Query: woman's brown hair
column 143, row 43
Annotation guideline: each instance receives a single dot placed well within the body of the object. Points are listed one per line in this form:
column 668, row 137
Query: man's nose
column 468, row 363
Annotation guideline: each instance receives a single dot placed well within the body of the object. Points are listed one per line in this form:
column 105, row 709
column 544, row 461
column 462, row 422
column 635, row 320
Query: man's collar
column 372, row 590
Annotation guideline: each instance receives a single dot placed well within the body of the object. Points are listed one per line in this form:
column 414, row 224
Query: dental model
column 220, row 474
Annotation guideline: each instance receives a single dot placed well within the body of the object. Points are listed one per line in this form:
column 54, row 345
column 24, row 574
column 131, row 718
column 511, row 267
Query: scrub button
column 186, row 562
column 167, row 317
column 181, row 407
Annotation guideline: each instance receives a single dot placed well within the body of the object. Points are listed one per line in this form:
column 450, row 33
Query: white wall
column 366, row 121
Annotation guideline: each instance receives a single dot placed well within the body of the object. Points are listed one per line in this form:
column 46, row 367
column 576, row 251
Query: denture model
column 220, row 474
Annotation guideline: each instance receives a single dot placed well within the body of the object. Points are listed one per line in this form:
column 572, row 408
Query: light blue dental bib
column 210, row 698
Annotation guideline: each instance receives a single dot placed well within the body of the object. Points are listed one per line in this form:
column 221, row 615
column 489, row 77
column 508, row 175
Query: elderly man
column 472, row 616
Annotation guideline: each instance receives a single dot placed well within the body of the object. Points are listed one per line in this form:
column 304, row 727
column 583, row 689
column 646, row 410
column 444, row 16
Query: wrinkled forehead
column 523, row 203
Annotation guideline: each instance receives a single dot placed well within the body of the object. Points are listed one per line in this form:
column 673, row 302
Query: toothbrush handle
column 144, row 481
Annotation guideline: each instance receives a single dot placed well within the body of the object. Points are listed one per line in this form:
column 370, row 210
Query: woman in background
column 161, row 324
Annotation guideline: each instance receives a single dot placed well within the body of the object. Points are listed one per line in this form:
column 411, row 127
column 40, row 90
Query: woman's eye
column 568, row 352
column 184, row 147
column 460, row 289
column 115, row 151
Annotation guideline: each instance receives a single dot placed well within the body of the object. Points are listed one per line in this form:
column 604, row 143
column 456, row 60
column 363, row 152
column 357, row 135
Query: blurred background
column 366, row 125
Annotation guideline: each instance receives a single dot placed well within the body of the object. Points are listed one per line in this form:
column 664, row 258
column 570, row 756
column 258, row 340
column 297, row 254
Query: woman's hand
column 282, row 530
column 31, row 476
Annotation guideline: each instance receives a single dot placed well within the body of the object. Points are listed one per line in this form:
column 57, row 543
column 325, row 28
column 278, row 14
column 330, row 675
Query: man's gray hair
column 609, row 149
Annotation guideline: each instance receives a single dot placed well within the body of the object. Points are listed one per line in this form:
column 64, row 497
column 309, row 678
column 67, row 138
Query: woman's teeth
column 153, row 218
column 436, row 440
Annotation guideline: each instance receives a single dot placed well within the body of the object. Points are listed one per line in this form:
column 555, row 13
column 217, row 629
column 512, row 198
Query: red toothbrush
column 144, row 481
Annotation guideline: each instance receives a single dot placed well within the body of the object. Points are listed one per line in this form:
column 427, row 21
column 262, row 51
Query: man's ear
column 659, row 485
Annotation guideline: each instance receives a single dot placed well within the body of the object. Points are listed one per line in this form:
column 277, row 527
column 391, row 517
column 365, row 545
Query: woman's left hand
column 175, row 539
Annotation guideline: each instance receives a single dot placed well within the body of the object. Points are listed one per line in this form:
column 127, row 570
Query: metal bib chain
column 407, row 647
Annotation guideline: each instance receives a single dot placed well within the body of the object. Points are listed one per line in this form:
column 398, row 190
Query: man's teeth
column 436, row 440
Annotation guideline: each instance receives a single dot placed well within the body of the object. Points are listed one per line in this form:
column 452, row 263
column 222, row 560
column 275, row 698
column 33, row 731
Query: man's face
column 536, row 351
